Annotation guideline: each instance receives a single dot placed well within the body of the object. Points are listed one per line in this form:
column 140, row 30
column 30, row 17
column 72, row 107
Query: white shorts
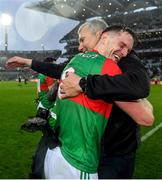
column 56, row 167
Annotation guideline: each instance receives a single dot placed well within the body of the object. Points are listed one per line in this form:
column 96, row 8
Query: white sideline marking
column 150, row 133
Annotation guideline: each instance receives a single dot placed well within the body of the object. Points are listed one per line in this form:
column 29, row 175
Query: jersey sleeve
column 110, row 68
column 49, row 81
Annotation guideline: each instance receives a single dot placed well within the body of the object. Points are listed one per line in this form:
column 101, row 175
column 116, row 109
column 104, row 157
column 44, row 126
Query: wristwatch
column 83, row 83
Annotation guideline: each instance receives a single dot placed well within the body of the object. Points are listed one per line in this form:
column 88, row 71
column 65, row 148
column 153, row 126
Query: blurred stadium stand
column 143, row 16
column 25, row 73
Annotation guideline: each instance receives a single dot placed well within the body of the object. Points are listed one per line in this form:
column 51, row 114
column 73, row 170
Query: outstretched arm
column 48, row 69
column 125, row 87
column 17, row 61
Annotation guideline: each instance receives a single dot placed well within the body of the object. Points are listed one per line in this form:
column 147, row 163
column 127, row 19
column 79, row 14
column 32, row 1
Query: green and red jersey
column 82, row 120
column 43, row 87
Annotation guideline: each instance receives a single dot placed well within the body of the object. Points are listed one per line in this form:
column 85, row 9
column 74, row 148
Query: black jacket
column 122, row 134
column 48, row 69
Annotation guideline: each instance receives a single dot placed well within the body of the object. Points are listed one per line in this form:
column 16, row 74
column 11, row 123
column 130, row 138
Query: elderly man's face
column 88, row 39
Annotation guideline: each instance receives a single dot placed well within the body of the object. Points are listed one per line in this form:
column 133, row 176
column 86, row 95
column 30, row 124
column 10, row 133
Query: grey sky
column 30, row 29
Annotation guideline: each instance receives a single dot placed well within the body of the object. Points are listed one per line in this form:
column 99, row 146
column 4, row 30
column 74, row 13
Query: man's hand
column 70, row 86
column 17, row 61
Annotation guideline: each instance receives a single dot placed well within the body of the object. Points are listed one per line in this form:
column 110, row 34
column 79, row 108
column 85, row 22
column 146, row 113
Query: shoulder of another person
column 131, row 58
column 111, row 67
column 41, row 75
column 131, row 65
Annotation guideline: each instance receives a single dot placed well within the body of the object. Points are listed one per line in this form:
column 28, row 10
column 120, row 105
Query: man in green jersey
column 82, row 120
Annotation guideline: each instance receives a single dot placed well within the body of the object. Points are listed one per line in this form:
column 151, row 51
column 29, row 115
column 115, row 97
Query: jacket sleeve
column 48, row 69
column 133, row 84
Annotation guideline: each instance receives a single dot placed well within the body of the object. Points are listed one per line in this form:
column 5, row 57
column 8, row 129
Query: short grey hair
column 94, row 25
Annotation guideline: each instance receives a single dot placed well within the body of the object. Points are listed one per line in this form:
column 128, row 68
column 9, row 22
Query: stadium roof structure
column 83, row 9
column 144, row 16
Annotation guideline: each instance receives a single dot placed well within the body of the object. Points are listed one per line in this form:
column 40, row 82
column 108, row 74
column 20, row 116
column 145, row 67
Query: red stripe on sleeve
column 48, row 82
column 111, row 68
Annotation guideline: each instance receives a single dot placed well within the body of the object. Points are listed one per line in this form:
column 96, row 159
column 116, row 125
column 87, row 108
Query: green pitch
column 17, row 147
column 149, row 158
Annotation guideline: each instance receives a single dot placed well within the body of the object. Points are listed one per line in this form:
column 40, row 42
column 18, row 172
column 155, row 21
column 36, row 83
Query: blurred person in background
column 39, row 122
column 19, row 80
column 44, row 84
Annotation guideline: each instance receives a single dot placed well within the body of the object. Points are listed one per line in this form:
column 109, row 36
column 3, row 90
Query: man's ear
column 98, row 34
column 104, row 37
